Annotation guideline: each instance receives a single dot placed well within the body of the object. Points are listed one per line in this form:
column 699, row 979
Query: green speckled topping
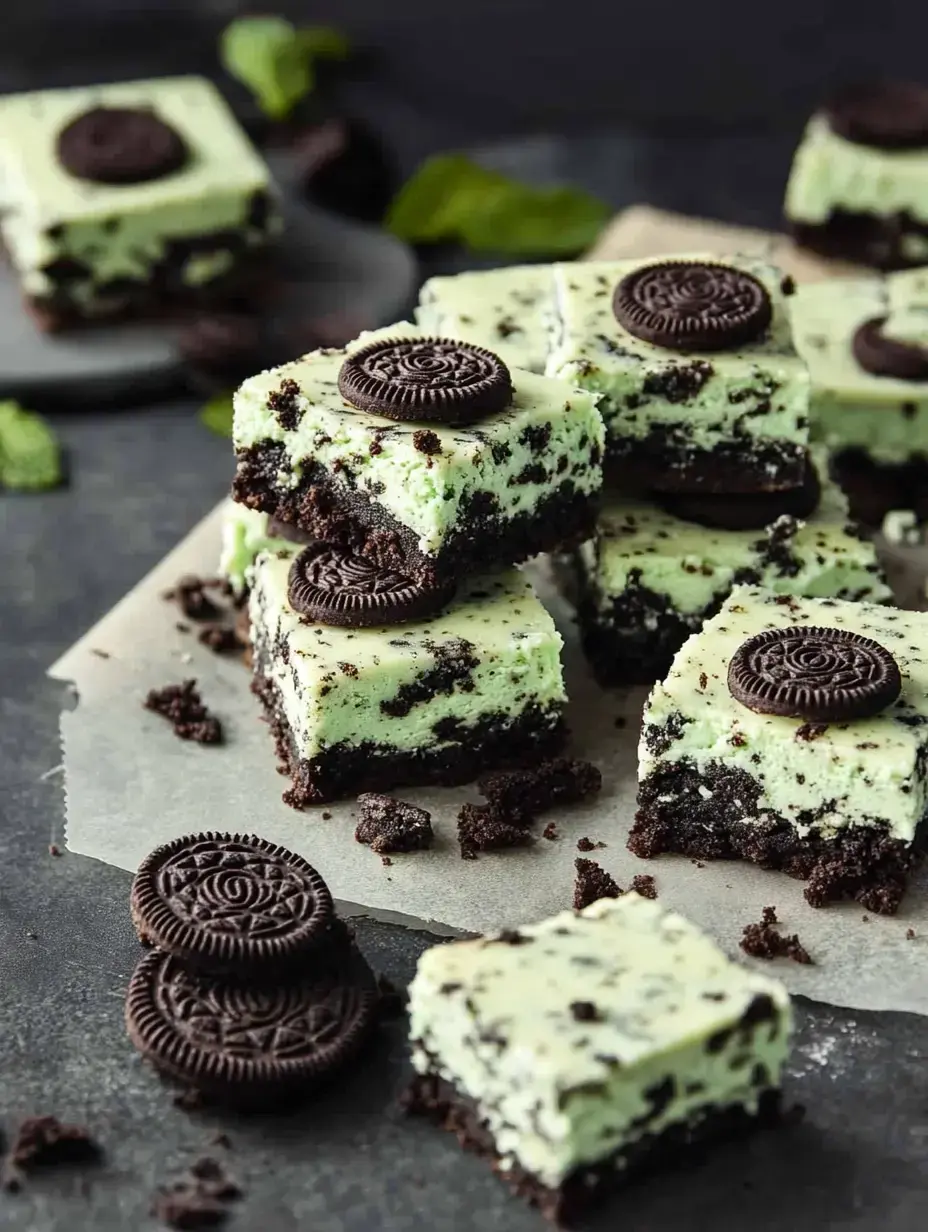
column 870, row 772
column 589, row 1031
column 852, row 408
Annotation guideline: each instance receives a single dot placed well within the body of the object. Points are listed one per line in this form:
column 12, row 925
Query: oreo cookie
column 692, row 305
column 426, row 379
column 253, row 1044
column 744, row 511
column 885, row 115
column 819, row 675
column 881, row 355
column 332, row 586
column 229, row 902
column 120, row 145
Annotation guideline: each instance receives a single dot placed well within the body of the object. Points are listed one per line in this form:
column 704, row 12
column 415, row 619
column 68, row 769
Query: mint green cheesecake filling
column 347, row 686
column 562, row 1040
column 244, row 536
column 850, row 407
column 830, row 173
column 693, row 567
column 867, row 773
column 551, row 434
column 123, row 231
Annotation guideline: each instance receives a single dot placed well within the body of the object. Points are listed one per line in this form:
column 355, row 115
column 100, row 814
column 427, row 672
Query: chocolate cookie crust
column 331, row 511
column 880, row 240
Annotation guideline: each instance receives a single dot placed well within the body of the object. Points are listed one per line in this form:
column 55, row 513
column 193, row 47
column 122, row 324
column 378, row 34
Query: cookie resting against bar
column 371, row 679
column 701, row 389
column 578, row 1051
column 130, row 199
column 858, row 188
column 793, row 733
column 421, row 454
column 655, row 571
column 865, row 342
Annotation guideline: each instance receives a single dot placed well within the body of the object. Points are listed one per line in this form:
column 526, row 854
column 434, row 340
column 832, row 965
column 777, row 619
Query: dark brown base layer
column 874, row 488
column 495, row 743
column 865, row 239
column 864, row 864
column 657, row 463
column 588, row 1186
column 482, row 540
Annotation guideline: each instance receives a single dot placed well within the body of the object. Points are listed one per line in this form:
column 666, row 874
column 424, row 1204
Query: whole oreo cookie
column 883, row 356
column 886, row 115
column 426, row 379
column 250, row 1043
column 820, row 675
column 120, row 145
column 692, row 305
column 332, row 586
column 229, row 902
column 745, row 511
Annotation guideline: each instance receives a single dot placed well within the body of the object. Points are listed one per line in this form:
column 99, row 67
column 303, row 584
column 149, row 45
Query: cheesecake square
column 839, row 803
column 858, row 186
column 728, row 420
column 130, row 198
column 654, row 572
column 875, row 423
column 438, row 701
column 437, row 500
column 577, row 1051
column 510, row 311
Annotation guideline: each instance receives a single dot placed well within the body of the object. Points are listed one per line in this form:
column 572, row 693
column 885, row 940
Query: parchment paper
column 131, row 784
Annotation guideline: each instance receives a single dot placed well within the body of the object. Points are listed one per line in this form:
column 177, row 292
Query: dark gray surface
column 348, row 1163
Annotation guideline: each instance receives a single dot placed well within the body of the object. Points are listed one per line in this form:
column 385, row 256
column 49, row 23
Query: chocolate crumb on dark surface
column 643, row 884
column 200, row 1199
column 189, row 1100
column 221, row 639
column 482, row 827
column 54, row 849
column 587, row 844
column 181, row 705
column 550, row 831
column 45, row 1142
column 387, row 824
column 189, row 593
column 562, row 780
column 764, row 940
column 222, row 1140
column 592, row 883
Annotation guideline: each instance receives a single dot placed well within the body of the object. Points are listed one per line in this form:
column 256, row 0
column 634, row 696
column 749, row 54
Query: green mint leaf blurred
column 275, row 60
column 452, row 198
column 217, row 415
column 30, row 456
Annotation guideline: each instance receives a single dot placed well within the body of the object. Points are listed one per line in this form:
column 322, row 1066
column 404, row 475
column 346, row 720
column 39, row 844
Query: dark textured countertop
column 348, row 1163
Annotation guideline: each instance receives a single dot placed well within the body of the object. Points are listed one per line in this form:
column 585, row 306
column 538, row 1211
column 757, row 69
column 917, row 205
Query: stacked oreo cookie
column 252, row 992
column 383, row 493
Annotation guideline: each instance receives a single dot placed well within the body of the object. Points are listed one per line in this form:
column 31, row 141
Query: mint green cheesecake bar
column 130, row 198
column 435, row 701
column 648, row 579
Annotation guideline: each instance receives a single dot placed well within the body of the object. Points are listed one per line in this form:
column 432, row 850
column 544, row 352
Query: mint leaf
column 217, row 415
column 30, row 456
column 275, row 60
column 452, row 198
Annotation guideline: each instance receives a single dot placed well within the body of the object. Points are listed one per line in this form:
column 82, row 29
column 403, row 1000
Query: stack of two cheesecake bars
column 423, row 519
column 710, row 478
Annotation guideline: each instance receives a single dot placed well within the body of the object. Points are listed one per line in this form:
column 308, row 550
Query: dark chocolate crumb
column 45, row 1142
column 587, row 844
column 764, row 940
column 386, row 861
column 550, row 831
column 387, row 824
column 180, row 704
column 591, row 884
column 101, row 654
column 426, row 441
column 482, row 827
column 189, row 593
column 512, row 936
column 788, row 285
column 910, row 934
column 200, row 1199
column 284, row 403
column 811, row 731
column 221, row 639
column 585, row 1011
column 528, row 792
column 643, row 884
column 54, row 849
column 326, row 816
column 181, row 627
